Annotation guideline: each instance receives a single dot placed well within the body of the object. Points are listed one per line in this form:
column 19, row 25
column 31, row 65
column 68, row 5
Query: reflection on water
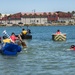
column 42, row 55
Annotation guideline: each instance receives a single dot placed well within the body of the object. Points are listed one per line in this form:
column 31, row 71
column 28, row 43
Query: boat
column 59, row 37
column 10, row 49
column 27, row 36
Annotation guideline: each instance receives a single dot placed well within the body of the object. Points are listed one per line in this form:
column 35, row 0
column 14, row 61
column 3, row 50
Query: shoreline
column 53, row 24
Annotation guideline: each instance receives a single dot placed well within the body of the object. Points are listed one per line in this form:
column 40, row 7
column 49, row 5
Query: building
column 39, row 18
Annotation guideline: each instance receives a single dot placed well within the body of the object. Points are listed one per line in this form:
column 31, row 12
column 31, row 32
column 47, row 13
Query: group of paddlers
column 16, row 39
column 11, row 45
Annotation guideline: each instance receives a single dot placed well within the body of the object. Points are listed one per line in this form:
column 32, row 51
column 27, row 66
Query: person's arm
column 19, row 37
column 16, row 38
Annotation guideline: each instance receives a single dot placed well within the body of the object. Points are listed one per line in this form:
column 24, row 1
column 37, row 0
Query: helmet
column 72, row 46
column 4, row 37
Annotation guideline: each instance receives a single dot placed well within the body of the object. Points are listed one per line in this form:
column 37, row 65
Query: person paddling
column 6, row 39
column 58, row 32
column 23, row 43
column 24, row 32
column 13, row 37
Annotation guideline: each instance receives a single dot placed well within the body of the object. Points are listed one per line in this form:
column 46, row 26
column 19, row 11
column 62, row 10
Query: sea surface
column 43, row 56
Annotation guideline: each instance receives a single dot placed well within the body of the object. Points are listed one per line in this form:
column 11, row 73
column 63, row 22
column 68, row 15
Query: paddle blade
column 23, row 44
column 4, row 32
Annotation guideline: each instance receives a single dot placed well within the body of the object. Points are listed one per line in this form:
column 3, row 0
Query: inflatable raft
column 10, row 49
column 59, row 37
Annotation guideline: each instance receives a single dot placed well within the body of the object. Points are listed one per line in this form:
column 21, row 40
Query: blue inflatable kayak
column 10, row 49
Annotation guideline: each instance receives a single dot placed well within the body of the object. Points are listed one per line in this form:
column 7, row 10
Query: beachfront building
column 73, row 17
column 52, row 17
column 25, row 18
column 65, row 17
column 38, row 18
column 3, row 16
column 34, row 18
column 11, row 19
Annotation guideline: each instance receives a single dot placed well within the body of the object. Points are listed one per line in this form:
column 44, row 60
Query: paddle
column 19, row 36
column 23, row 43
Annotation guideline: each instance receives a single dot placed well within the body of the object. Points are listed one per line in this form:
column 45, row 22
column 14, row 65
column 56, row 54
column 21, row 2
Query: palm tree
column 73, row 12
column 30, row 15
column 68, row 12
column 45, row 16
column 35, row 15
column 40, row 17
column 5, row 18
column 0, row 16
column 49, row 13
column 54, row 17
column 20, row 16
column 9, row 18
column 25, row 15
column 15, row 18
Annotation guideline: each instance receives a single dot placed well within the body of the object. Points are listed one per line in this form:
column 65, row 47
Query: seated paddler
column 13, row 37
column 24, row 31
column 6, row 39
column 58, row 32
column 16, row 39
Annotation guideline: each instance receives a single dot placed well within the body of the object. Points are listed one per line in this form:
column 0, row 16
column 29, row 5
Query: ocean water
column 43, row 56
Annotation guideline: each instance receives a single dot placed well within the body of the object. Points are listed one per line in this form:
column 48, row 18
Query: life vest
column 58, row 32
column 7, row 40
column 24, row 32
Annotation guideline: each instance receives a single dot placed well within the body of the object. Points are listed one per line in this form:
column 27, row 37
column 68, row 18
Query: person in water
column 6, row 39
column 72, row 47
column 58, row 32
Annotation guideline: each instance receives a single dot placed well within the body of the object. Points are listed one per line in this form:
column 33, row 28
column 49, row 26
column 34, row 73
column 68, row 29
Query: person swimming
column 72, row 47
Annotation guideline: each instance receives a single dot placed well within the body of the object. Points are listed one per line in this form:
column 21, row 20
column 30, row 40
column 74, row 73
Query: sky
column 15, row 6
